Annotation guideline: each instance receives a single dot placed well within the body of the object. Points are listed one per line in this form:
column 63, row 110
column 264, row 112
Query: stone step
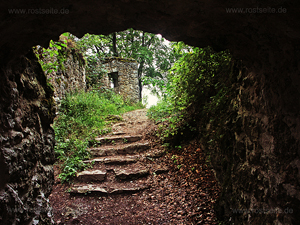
column 118, row 139
column 112, row 189
column 158, row 169
column 120, row 149
column 132, row 172
column 94, row 175
column 119, row 125
column 118, row 159
column 118, row 133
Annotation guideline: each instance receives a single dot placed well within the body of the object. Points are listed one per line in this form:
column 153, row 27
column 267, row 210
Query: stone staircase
column 122, row 161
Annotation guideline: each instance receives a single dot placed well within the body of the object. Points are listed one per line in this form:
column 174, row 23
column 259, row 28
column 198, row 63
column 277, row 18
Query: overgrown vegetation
column 153, row 53
column 195, row 85
column 197, row 98
column 81, row 118
column 52, row 58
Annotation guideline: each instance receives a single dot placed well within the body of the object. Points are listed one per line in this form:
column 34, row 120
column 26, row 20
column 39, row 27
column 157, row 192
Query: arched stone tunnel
column 265, row 36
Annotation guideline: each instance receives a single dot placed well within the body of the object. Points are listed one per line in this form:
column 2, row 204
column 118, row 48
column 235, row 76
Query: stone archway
column 267, row 42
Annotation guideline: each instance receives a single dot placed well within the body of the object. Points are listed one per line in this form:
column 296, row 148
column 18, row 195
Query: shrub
column 82, row 117
column 197, row 90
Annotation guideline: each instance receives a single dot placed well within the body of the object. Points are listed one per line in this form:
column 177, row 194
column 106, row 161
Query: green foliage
column 165, row 55
column 52, row 59
column 197, row 91
column 72, row 154
column 155, row 56
column 174, row 157
column 81, row 118
column 194, row 78
column 169, row 118
column 160, row 111
column 94, row 48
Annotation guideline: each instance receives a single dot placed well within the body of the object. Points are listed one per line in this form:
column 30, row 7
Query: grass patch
column 169, row 120
column 82, row 117
column 160, row 111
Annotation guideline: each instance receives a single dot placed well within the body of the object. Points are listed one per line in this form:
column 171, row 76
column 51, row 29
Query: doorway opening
column 114, row 81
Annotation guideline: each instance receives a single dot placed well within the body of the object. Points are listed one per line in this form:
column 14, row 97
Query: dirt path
column 135, row 181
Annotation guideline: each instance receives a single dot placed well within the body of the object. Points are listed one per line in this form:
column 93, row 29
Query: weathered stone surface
column 88, row 188
column 94, row 175
column 114, row 160
column 134, row 148
column 119, row 133
column 124, row 75
column 268, row 130
column 119, row 124
column 94, row 188
column 121, row 160
column 114, row 118
column 258, row 159
column 123, row 149
column 102, row 152
column 26, row 143
column 119, row 138
column 128, row 189
column 192, row 22
column 74, row 211
column 131, row 173
column 71, row 78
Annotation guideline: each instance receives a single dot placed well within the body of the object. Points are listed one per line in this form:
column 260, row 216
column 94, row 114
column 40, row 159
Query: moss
column 66, row 84
column 49, row 89
column 58, row 80
column 62, row 57
column 49, row 103
column 78, row 57
column 113, row 118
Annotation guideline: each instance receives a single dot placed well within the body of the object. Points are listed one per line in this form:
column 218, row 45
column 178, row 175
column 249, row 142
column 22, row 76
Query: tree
column 114, row 45
column 155, row 55
column 94, row 48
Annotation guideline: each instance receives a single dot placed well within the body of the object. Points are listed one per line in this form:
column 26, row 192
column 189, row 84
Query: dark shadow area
column 263, row 165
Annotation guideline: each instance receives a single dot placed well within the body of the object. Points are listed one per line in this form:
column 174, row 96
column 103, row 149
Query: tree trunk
column 141, row 66
column 115, row 52
column 141, row 89
column 140, row 72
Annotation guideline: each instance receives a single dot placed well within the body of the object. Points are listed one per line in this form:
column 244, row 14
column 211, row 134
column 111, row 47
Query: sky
column 151, row 98
column 146, row 92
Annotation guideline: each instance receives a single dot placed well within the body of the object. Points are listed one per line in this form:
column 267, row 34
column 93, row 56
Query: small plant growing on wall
column 51, row 59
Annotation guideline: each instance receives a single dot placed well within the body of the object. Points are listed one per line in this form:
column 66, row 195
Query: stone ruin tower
column 122, row 76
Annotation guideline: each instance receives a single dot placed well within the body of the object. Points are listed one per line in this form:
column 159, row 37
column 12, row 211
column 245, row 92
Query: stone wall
column 258, row 163
column 26, row 143
column 124, row 73
column 266, row 157
column 70, row 77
